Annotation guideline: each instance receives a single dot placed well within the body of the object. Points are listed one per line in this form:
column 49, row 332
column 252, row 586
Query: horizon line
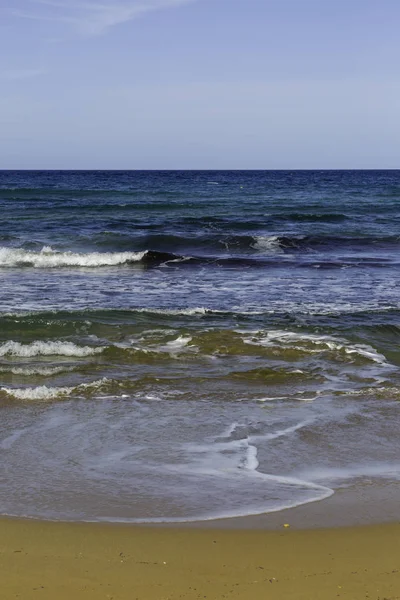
column 93, row 170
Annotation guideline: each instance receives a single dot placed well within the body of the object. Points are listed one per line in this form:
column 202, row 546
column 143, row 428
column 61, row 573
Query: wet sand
column 368, row 503
column 57, row 561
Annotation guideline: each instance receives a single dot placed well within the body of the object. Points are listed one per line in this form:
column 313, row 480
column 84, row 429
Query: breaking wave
column 315, row 344
column 36, row 370
column 320, row 242
column 43, row 392
column 39, row 348
column 48, row 258
column 227, row 250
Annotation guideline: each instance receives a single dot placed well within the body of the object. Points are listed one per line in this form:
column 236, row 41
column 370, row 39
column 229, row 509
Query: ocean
column 185, row 346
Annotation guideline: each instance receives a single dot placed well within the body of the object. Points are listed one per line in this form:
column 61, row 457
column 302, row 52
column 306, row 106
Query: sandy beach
column 62, row 561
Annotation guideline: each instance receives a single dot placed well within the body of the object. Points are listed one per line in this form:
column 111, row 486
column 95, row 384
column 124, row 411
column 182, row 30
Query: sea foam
column 36, row 370
column 315, row 344
column 38, row 348
column 271, row 243
column 44, row 392
column 48, row 258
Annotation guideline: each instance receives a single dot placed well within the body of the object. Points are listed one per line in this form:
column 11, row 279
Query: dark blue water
column 171, row 339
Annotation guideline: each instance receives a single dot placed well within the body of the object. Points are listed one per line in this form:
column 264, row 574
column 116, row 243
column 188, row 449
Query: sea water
column 181, row 346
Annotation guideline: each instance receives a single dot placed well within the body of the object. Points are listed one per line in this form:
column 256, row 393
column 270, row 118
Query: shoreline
column 124, row 562
column 346, row 507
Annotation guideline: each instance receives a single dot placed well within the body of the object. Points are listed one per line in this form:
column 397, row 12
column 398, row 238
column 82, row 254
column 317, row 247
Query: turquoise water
column 190, row 345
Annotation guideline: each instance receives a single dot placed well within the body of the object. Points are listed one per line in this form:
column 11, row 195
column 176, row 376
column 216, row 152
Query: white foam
column 269, row 243
column 51, row 393
column 230, row 453
column 173, row 347
column 178, row 344
column 230, row 430
column 177, row 312
column 380, row 392
column 48, row 258
column 220, row 480
column 251, row 462
column 37, row 348
column 35, row 370
column 282, row 432
column 270, row 338
column 38, row 393
column 236, row 460
column 296, row 397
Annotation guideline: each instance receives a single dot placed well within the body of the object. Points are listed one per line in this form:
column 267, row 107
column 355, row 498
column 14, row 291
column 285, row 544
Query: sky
column 199, row 84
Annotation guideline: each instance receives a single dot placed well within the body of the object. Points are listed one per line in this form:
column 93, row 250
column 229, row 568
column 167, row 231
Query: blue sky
column 153, row 84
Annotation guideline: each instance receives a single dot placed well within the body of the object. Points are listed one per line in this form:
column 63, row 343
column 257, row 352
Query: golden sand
column 49, row 561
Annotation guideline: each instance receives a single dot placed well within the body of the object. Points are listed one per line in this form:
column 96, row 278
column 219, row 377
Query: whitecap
column 305, row 343
column 44, row 392
column 48, row 258
column 38, row 348
column 35, row 370
column 180, row 343
column 269, row 243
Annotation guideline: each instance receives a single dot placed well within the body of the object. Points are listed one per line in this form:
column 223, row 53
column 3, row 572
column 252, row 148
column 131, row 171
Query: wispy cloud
column 17, row 74
column 91, row 18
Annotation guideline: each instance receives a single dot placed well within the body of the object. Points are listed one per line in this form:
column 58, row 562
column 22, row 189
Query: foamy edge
column 48, row 258
column 38, row 348
column 51, row 393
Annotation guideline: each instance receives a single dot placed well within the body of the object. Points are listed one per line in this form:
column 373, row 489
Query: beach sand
column 59, row 561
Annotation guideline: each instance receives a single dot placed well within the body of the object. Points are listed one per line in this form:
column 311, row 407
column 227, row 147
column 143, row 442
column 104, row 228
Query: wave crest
column 51, row 393
column 39, row 348
column 48, row 258
column 315, row 344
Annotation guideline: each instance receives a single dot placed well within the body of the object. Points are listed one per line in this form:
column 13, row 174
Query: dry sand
column 57, row 561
